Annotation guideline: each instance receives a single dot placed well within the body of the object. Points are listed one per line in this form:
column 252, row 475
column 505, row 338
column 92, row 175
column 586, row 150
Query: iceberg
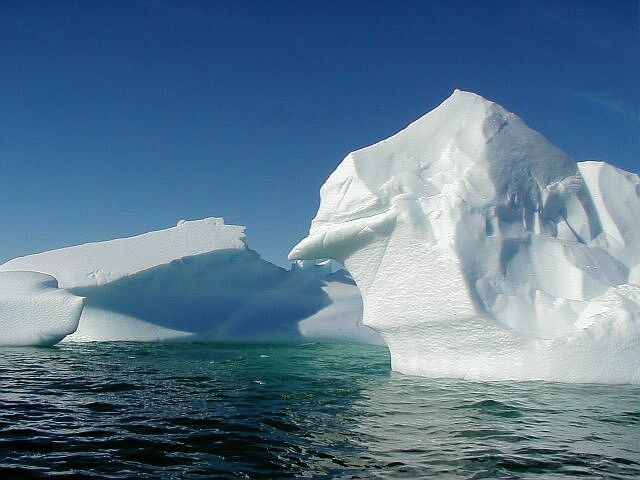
column 34, row 311
column 484, row 252
column 197, row 281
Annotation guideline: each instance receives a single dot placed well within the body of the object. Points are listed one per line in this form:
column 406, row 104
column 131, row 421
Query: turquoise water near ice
column 127, row 410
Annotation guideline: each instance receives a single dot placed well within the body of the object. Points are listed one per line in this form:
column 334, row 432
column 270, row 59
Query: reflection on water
column 277, row 411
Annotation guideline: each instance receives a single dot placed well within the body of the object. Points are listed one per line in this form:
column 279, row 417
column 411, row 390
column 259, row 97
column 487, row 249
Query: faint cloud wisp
column 604, row 100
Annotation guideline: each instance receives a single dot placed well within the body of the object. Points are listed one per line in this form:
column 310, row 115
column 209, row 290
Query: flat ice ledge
column 98, row 263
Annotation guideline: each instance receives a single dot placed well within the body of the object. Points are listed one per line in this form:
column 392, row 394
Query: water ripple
column 265, row 411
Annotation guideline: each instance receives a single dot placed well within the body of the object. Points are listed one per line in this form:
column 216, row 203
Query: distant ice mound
column 34, row 311
column 484, row 252
column 197, row 280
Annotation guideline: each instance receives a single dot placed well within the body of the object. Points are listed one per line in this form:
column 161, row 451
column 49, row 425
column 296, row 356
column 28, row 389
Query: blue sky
column 126, row 116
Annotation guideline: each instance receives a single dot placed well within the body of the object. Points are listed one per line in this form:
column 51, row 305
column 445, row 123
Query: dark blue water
column 266, row 411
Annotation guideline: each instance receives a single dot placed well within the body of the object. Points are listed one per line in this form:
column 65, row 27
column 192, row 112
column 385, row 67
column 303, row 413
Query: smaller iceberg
column 34, row 311
column 199, row 280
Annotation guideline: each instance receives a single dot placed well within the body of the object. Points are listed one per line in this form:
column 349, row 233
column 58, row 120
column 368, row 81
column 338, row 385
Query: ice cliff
column 484, row 252
column 198, row 280
column 34, row 311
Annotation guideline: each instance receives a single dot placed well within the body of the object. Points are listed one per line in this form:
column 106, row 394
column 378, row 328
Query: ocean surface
column 126, row 410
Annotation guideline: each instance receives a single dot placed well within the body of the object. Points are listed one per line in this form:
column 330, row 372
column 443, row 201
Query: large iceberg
column 484, row 252
column 34, row 311
column 198, row 280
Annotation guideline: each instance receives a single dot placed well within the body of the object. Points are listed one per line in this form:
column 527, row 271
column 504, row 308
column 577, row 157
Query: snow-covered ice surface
column 197, row 280
column 484, row 252
column 34, row 311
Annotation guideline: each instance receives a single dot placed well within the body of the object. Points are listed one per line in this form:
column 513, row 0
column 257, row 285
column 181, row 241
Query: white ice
column 198, row 280
column 34, row 311
column 484, row 252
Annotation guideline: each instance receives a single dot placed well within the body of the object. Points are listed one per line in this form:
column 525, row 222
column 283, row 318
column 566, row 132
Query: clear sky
column 123, row 116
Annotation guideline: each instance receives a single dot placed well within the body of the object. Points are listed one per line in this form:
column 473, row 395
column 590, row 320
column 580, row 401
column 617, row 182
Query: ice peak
column 459, row 95
column 461, row 111
column 467, row 148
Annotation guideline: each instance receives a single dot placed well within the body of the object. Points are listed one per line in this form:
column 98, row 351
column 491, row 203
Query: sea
column 313, row 410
